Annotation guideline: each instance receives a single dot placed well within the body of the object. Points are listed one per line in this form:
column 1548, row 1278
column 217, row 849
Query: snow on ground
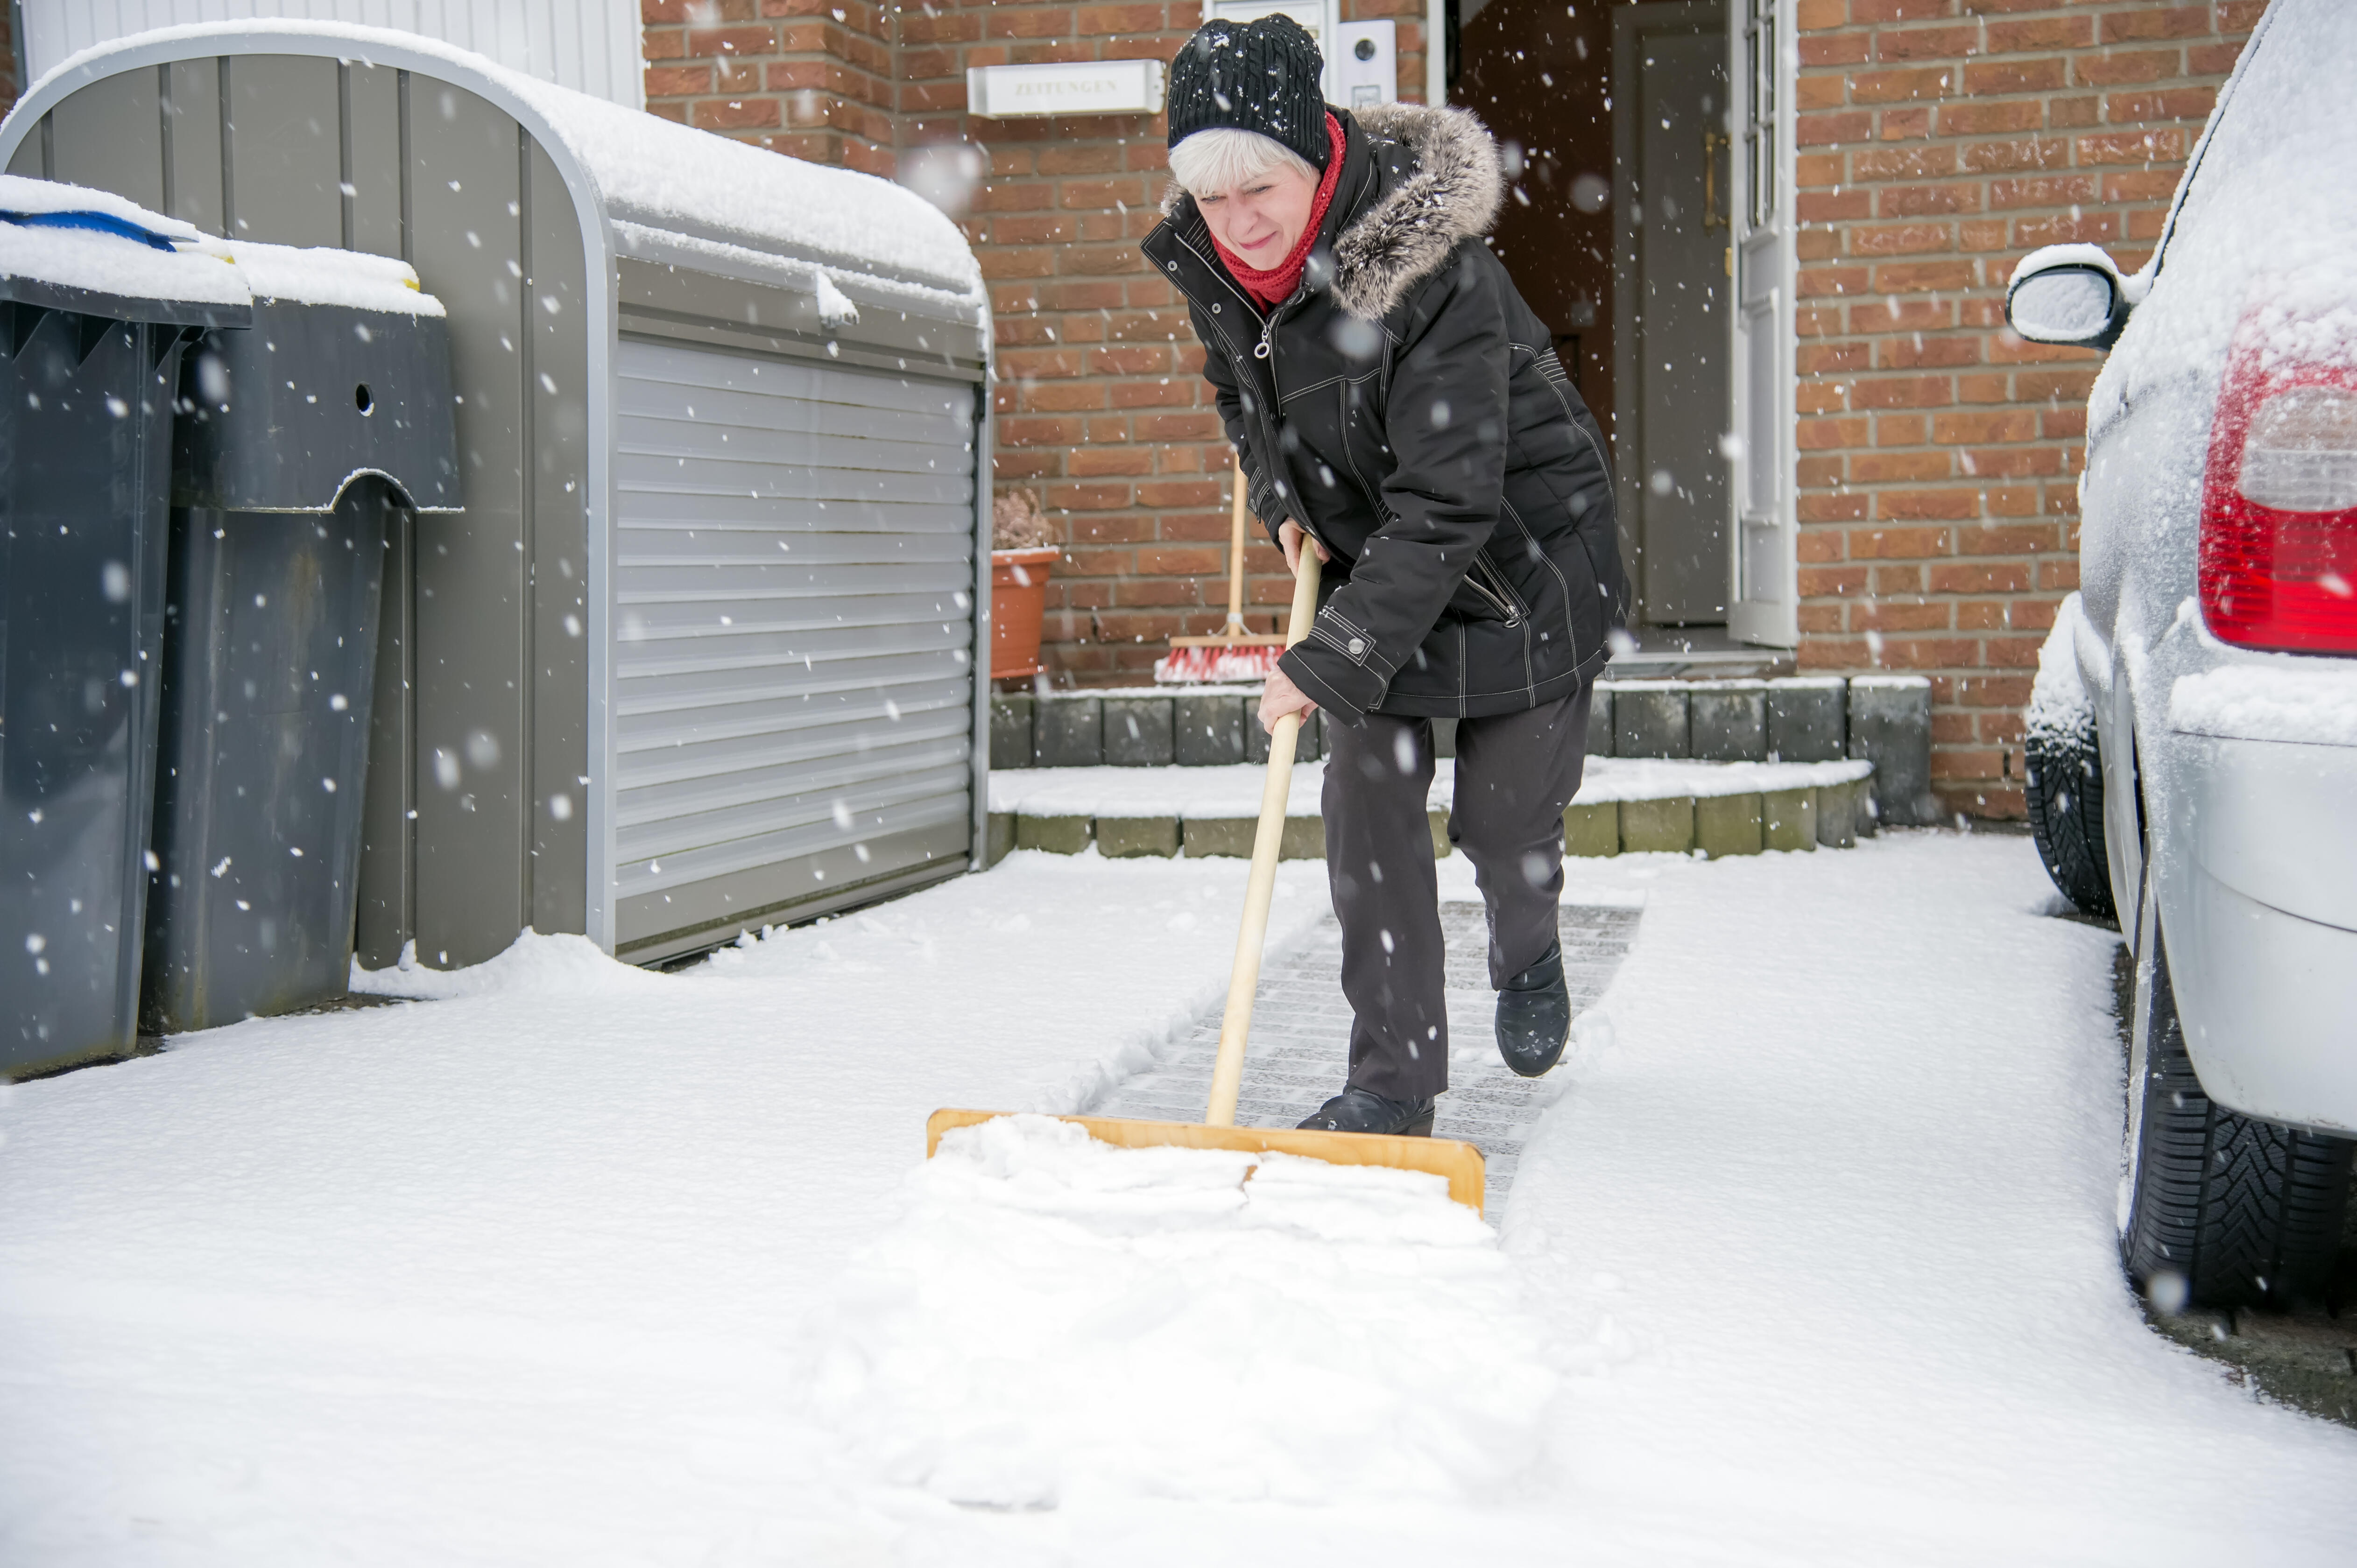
column 1810, row 1262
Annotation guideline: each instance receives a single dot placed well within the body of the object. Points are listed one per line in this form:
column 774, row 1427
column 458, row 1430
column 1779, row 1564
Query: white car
column 2193, row 731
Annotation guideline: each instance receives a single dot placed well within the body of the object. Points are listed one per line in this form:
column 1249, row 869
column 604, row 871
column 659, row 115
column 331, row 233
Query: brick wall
column 811, row 78
column 1939, row 141
column 1101, row 404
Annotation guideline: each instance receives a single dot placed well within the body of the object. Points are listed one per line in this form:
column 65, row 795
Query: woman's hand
column 1281, row 697
column 1289, row 535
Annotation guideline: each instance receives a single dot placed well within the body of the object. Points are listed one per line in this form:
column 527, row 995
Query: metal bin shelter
column 95, row 317
column 303, row 442
column 698, row 654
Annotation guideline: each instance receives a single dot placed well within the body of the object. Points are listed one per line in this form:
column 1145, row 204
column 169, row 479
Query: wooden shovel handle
column 1244, row 979
column 1236, row 554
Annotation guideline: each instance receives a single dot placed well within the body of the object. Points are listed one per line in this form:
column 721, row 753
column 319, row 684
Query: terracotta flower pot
column 1018, row 600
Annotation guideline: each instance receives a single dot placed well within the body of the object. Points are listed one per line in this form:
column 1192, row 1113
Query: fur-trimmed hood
column 1449, row 190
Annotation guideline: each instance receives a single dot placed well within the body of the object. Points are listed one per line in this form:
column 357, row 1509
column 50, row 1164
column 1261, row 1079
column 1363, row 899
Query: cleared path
column 1298, row 1053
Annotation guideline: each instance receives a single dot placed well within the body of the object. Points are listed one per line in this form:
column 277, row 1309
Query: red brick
column 1918, row 201
column 2050, row 191
column 2133, row 146
column 1890, row 467
column 1899, row 86
column 1831, row 581
column 2005, row 157
column 1823, row 130
column 739, row 40
column 2009, row 75
column 1899, row 10
column 1902, row 124
column 1924, row 505
column 1902, row 391
column 1915, row 351
column 1926, row 43
column 1900, row 240
column 1916, row 277
column 1981, row 578
column 1906, row 544
column 2157, row 22
column 2172, row 103
column 1994, row 117
column 2040, row 33
column 1873, row 165
column 2013, row 538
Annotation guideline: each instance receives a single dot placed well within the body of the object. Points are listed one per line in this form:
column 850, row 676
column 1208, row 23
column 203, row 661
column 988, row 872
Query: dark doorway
column 1613, row 117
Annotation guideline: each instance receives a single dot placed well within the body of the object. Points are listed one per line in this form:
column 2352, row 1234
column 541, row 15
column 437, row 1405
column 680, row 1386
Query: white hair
column 1221, row 159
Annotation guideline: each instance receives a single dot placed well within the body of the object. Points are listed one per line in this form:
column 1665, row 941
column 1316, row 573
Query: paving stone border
column 1882, row 719
column 1691, row 819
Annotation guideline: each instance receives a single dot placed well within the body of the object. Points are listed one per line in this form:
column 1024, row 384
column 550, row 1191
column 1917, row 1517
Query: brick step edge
column 1827, row 816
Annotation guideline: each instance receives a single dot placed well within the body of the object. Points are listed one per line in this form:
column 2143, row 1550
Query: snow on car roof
column 2266, row 232
column 658, row 174
column 115, row 259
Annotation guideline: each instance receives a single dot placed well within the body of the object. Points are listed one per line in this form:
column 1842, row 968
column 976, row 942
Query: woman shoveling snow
column 1397, row 406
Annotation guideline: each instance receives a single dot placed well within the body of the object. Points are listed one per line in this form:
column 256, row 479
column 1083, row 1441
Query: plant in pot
column 1022, row 548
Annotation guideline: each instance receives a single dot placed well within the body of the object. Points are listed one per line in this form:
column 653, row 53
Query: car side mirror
column 2068, row 294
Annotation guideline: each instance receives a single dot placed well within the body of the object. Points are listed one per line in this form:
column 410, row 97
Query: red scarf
column 1275, row 286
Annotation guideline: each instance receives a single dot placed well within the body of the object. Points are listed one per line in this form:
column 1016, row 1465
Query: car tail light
column 2278, row 551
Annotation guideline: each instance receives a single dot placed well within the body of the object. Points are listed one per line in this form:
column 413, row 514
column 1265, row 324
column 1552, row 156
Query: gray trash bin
column 298, row 441
column 96, row 306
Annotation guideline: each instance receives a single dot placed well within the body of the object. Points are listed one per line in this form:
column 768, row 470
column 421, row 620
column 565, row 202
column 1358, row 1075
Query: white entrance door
column 1763, row 607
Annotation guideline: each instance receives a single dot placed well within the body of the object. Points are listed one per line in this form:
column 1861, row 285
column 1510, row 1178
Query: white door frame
column 1763, row 454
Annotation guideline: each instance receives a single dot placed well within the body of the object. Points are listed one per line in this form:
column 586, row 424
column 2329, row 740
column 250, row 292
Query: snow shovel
column 1460, row 1163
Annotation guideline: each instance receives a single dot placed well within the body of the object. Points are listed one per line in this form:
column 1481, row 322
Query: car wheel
column 2218, row 1209
column 2063, row 786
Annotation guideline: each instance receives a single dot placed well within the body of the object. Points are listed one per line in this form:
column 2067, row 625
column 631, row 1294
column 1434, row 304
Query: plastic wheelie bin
column 97, row 301
column 297, row 441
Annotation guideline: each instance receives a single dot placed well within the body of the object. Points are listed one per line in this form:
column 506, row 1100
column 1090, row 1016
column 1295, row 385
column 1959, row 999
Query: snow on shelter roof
column 137, row 255
column 655, row 174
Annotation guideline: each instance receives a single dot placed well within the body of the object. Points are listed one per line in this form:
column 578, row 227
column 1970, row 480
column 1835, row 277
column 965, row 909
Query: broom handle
column 1236, row 554
column 1244, row 979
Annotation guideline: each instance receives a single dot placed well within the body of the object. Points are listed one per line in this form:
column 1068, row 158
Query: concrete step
column 1882, row 719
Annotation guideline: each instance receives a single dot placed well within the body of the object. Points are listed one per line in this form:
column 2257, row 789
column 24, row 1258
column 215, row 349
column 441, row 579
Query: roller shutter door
column 794, row 656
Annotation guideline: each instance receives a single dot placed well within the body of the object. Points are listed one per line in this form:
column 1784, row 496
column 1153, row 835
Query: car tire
column 2063, row 788
column 2218, row 1209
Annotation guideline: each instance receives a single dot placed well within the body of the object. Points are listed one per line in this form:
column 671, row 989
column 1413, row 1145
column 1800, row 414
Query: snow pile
column 654, row 173
column 2289, row 701
column 1055, row 1319
column 2060, row 713
column 325, row 277
column 532, row 965
column 123, row 265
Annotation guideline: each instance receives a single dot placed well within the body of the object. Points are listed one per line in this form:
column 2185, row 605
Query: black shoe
column 1359, row 1110
column 1534, row 1016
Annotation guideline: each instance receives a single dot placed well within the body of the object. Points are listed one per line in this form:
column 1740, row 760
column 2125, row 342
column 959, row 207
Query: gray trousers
column 1515, row 774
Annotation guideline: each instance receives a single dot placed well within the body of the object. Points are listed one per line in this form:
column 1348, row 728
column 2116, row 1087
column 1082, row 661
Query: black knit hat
column 1252, row 76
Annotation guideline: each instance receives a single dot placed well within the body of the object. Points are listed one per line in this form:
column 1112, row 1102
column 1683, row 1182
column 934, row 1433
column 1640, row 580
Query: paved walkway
column 1300, row 1039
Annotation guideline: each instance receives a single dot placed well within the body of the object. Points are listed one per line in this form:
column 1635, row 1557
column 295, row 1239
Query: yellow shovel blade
column 1459, row 1164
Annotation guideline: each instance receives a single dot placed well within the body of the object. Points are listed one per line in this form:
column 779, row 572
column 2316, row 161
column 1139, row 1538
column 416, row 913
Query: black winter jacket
column 1407, row 409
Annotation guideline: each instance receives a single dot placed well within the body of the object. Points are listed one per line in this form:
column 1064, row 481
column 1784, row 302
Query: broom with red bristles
column 1232, row 654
